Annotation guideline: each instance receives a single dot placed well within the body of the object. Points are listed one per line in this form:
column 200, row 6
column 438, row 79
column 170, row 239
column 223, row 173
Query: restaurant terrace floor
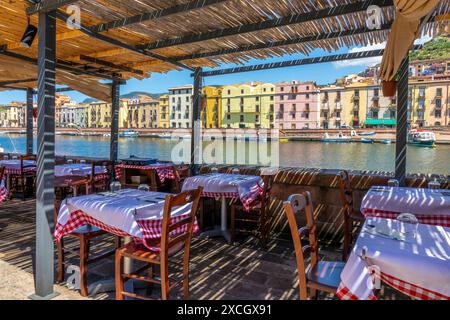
column 219, row 271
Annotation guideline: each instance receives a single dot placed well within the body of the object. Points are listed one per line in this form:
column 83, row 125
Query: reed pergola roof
column 123, row 39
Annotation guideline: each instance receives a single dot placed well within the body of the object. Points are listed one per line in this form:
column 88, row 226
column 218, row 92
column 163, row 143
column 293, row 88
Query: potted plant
column 389, row 88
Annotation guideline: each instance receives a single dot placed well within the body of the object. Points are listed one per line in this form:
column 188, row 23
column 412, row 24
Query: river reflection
column 299, row 154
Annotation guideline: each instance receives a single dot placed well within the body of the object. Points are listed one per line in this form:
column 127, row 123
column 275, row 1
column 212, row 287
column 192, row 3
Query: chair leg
column 186, row 293
column 347, row 238
column 164, row 271
column 84, row 254
column 61, row 271
column 119, row 278
column 23, row 187
column 233, row 224
column 150, row 276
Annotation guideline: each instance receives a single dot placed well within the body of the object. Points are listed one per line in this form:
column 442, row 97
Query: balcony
column 338, row 106
column 355, row 97
column 325, row 106
column 355, row 107
column 376, row 98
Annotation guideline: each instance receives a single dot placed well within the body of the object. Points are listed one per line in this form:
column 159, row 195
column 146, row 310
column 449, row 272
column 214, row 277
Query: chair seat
column 140, row 252
column 87, row 229
column 327, row 274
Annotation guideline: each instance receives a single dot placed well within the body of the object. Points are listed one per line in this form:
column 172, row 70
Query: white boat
column 129, row 133
column 165, row 136
column 339, row 138
column 421, row 138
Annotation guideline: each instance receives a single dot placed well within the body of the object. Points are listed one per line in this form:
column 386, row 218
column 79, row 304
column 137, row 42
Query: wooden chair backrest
column 171, row 202
column 294, row 206
column 268, row 183
column 345, row 190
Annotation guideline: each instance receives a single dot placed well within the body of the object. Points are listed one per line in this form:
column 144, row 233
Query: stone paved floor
column 218, row 270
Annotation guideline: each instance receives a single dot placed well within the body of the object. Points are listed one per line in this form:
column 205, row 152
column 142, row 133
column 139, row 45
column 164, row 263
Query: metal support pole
column 115, row 105
column 29, row 119
column 45, row 192
column 402, row 123
column 196, row 138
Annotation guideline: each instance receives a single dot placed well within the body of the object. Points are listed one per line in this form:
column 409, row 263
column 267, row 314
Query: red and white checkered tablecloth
column 13, row 166
column 417, row 266
column 125, row 214
column 215, row 185
column 164, row 171
column 3, row 192
column 430, row 206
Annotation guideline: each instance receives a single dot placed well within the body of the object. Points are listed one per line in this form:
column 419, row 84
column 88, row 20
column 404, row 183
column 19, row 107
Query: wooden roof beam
column 111, row 65
column 62, row 16
column 153, row 15
column 9, row 82
column 268, row 24
column 48, row 5
column 64, row 65
column 299, row 62
column 274, row 44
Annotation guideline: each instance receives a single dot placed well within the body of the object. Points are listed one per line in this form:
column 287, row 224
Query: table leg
column 221, row 231
column 128, row 268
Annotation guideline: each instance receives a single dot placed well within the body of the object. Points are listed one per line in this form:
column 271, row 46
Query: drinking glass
column 115, row 186
column 435, row 184
column 82, row 161
column 144, row 187
column 15, row 157
column 69, row 161
column 214, row 170
column 407, row 224
column 393, row 183
column 235, row 171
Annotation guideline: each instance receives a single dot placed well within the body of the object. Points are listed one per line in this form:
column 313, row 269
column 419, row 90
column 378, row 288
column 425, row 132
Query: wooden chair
column 317, row 275
column 100, row 181
column 258, row 215
column 168, row 246
column 351, row 215
column 25, row 180
column 84, row 235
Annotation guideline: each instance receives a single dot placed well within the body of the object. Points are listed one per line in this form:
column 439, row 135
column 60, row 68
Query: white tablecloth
column 418, row 267
column 429, row 205
column 126, row 211
column 13, row 165
column 77, row 169
column 246, row 188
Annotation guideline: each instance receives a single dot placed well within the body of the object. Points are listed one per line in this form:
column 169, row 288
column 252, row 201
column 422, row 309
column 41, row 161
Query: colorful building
column 180, row 106
column 142, row 113
column 211, row 113
column 163, row 119
column 331, row 107
column 13, row 115
column 428, row 101
column 248, row 105
column 355, row 103
column 297, row 105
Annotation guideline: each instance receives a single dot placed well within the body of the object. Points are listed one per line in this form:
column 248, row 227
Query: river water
column 358, row 156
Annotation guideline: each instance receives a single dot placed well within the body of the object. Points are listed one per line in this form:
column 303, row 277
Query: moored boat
column 365, row 134
column 386, row 141
column 129, row 133
column 339, row 138
column 421, row 138
column 363, row 140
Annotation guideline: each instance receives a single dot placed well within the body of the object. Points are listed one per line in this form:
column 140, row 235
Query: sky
column 322, row 73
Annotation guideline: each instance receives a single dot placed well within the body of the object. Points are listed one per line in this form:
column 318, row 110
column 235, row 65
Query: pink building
column 297, row 105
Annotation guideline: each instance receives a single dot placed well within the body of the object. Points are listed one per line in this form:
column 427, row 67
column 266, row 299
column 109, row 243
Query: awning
column 379, row 122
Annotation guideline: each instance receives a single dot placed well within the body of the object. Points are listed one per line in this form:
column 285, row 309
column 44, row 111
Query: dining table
column 430, row 206
column 416, row 264
column 13, row 166
column 223, row 186
column 77, row 169
column 136, row 215
column 164, row 170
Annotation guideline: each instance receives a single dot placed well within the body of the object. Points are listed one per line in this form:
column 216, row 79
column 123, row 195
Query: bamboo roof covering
column 171, row 34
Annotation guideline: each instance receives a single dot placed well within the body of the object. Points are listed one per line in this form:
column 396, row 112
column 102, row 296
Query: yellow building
column 211, row 114
column 249, row 105
column 355, row 102
column 428, row 101
column 163, row 118
column 98, row 114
